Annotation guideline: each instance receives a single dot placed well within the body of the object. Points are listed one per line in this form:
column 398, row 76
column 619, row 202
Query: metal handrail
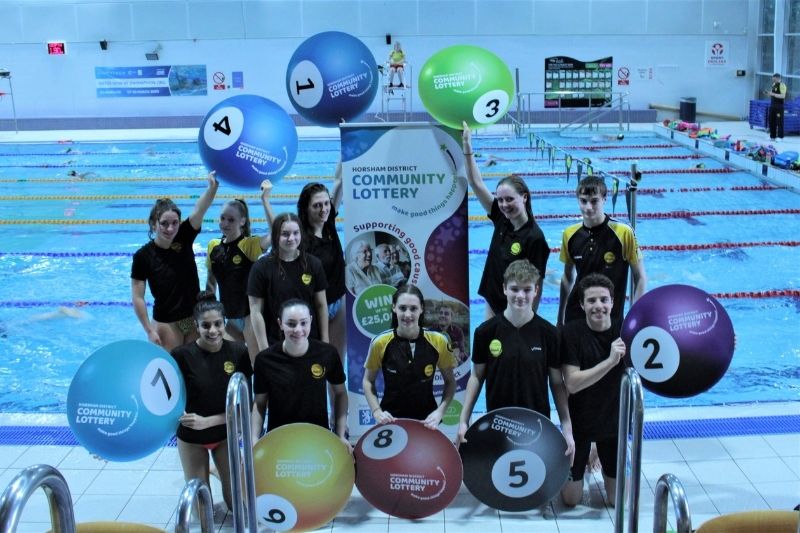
column 596, row 113
column 55, row 487
column 669, row 484
column 195, row 489
column 524, row 107
column 237, row 416
column 631, row 422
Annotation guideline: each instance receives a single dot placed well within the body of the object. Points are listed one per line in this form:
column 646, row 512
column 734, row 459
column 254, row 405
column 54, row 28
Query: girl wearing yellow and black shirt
column 228, row 262
column 408, row 356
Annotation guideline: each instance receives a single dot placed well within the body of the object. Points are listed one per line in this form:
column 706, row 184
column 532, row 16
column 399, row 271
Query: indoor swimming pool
column 68, row 243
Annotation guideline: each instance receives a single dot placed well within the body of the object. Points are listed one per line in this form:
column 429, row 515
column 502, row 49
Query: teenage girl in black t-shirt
column 516, row 234
column 207, row 365
column 167, row 264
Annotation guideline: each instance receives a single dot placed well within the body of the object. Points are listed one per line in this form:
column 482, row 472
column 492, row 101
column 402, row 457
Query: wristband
column 376, row 409
column 467, row 153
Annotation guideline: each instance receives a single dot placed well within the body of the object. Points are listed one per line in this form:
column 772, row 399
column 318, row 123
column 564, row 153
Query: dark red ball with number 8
column 407, row 470
column 514, row 459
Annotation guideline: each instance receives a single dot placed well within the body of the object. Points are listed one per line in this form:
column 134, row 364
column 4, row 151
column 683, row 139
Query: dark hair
column 776, row 75
column 161, row 206
column 519, row 185
column 306, row 194
column 241, row 206
column 207, row 301
column 292, row 302
column 521, row 271
column 592, row 185
column 595, row 280
column 414, row 291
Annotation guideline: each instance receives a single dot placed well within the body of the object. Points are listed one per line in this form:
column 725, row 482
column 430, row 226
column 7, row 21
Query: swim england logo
column 716, row 53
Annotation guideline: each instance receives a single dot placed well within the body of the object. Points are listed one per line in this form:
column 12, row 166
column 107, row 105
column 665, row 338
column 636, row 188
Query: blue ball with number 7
column 247, row 139
column 125, row 400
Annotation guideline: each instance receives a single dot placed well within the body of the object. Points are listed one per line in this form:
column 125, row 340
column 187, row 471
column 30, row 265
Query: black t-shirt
column 206, row 375
column 517, row 362
column 609, row 249
column 171, row 274
column 276, row 281
column 230, row 262
column 296, row 387
column 508, row 245
column 329, row 251
column 594, row 410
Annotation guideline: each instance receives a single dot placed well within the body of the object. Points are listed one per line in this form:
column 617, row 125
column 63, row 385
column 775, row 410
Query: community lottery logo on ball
column 466, row 83
column 680, row 340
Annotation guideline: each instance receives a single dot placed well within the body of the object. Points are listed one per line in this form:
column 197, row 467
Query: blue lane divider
column 673, row 429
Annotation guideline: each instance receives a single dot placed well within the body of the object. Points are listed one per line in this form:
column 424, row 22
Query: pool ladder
column 631, row 425
column 62, row 516
column 237, row 416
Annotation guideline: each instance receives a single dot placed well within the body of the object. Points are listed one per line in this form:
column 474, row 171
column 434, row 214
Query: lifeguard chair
column 396, row 101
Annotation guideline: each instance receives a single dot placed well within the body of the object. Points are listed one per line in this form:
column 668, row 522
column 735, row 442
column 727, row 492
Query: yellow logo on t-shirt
column 306, row 278
column 237, row 259
column 609, row 257
column 516, row 248
column 176, row 247
column 229, row 367
column 317, row 370
column 428, row 371
column 495, row 348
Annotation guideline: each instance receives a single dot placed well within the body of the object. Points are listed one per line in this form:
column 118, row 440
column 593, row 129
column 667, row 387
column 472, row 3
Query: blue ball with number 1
column 125, row 400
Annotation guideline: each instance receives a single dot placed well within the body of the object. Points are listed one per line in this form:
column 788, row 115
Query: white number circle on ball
column 276, row 511
column 306, row 85
column 160, row 387
column 655, row 354
column 490, row 106
column 518, row 473
column 223, row 128
column 385, row 442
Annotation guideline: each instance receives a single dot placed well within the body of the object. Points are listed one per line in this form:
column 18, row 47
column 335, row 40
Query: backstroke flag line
column 405, row 202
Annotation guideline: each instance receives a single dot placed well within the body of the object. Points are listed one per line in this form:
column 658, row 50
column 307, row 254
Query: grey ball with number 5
column 514, row 459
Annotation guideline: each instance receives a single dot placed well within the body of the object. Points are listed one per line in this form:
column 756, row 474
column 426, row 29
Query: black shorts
column 606, row 452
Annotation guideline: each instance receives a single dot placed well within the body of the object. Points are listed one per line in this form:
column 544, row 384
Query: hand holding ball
column 680, row 340
column 247, row 139
column 125, row 400
column 466, row 83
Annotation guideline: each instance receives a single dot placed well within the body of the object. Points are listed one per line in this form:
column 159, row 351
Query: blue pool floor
column 728, row 459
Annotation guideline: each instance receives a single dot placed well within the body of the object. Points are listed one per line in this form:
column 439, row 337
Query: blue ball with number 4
column 247, row 139
column 125, row 400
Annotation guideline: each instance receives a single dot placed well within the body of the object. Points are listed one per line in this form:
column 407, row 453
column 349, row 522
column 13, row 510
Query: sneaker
column 401, row 85
column 220, row 512
column 391, row 85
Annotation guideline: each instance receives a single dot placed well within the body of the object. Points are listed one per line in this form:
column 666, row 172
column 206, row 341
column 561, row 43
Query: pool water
column 69, row 242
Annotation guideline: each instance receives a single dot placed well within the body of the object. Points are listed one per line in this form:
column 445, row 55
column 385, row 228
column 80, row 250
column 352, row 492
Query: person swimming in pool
column 167, row 264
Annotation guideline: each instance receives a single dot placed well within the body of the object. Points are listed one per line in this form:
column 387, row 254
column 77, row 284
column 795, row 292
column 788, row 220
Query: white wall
column 258, row 38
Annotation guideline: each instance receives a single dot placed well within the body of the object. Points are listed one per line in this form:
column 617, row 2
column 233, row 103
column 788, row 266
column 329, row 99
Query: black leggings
column 606, row 452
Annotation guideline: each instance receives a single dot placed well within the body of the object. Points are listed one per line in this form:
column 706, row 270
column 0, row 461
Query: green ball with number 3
column 466, row 83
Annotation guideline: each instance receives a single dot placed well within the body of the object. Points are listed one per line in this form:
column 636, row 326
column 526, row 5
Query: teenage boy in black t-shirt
column 591, row 358
column 516, row 354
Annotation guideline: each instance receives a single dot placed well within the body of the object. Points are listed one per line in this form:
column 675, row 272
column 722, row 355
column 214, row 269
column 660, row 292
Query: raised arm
column 204, row 202
column 484, row 195
column 337, row 192
column 266, row 191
